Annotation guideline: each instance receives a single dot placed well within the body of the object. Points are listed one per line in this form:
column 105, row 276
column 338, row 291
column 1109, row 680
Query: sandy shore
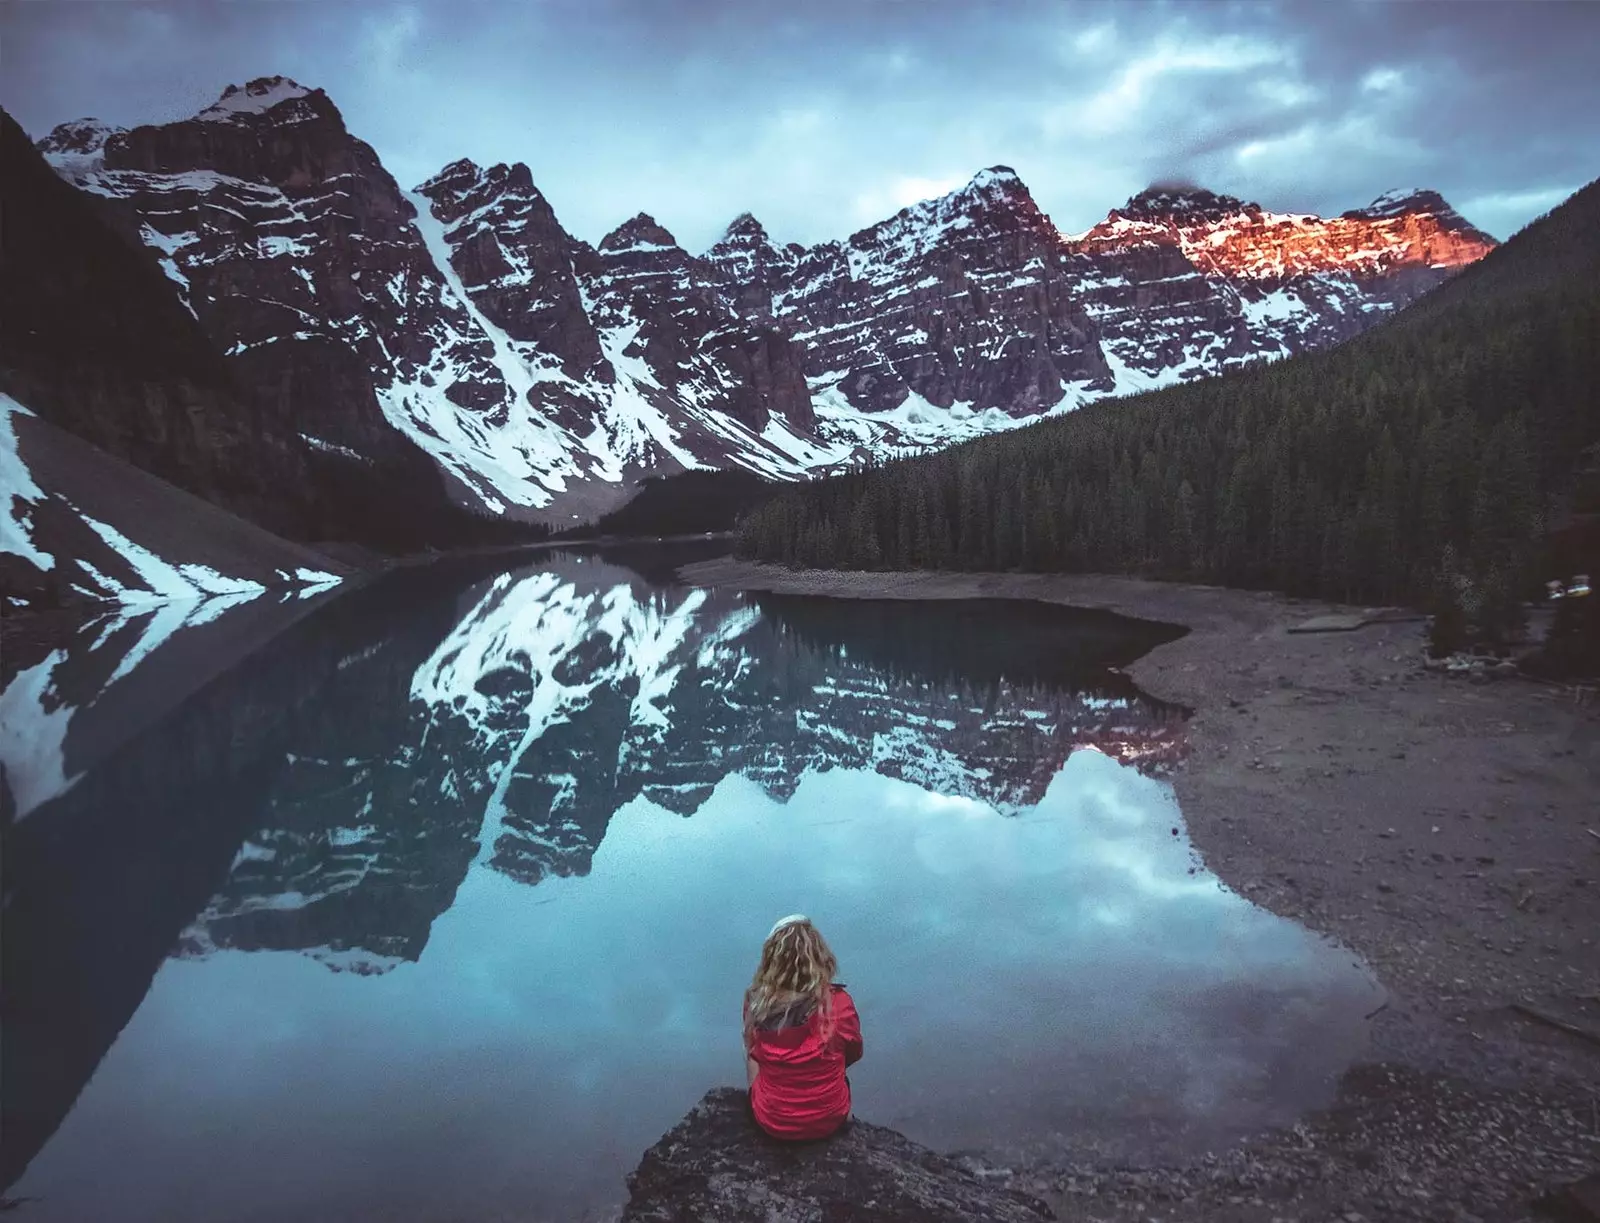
column 1448, row 831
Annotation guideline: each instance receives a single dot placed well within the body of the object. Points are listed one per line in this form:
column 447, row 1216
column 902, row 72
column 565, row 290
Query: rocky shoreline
column 1447, row 831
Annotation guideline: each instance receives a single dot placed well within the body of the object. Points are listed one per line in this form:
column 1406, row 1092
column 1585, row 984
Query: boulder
column 716, row 1166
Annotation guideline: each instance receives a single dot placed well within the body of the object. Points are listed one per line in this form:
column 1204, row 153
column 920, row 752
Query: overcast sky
column 824, row 115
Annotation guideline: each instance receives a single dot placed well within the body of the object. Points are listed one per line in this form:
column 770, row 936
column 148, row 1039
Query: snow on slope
column 17, row 485
column 135, row 563
column 529, row 460
column 254, row 98
column 33, row 732
column 614, row 411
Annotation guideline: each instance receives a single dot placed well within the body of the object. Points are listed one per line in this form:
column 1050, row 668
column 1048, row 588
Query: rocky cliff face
column 1260, row 284
column 298, row 255
column 628, row 348
column 459, row 324
column 972, row 312
column 954, row 317
column 94, row 339
column 543, row 377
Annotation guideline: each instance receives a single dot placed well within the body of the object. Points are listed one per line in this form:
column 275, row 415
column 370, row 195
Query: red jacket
column 800, row 1089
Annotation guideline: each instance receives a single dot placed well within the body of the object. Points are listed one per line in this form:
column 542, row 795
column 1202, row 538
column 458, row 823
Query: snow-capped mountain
column 625, row 348
column 98, row 343
column 952, row 318
column 1239, row 283
column 545, row 376
column 381, row 329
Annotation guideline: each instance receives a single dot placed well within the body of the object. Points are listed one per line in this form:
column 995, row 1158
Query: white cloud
column 1095, row 39
column 1285, row 93
column 1383, row 80
column 894, row 63
column 1118, row 106
column 807, row 120
column 798, row 121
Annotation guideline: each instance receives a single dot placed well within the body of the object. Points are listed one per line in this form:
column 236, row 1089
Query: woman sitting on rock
column 800, row 1032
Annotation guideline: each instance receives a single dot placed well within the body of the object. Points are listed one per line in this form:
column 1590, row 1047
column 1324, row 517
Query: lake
column 435, row 898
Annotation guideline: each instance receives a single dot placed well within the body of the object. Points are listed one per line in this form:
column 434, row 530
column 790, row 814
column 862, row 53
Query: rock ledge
column 715, row 1166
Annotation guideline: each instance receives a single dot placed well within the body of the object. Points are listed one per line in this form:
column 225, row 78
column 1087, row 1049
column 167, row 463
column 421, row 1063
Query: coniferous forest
column 1440, row 459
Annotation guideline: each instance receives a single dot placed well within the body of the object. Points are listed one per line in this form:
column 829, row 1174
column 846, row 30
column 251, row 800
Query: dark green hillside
column 1431, row 453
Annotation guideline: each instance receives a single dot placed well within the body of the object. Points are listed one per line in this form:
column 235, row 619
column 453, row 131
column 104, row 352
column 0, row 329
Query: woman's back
column 800, row 1033
column 800, row 1090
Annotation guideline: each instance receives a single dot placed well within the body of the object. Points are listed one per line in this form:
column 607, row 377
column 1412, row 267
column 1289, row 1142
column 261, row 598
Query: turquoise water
column 460, row 923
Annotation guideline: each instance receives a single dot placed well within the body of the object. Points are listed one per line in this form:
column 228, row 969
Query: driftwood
column 1561, row 1025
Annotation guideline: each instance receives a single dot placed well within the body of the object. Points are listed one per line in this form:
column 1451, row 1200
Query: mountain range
column 381, row 357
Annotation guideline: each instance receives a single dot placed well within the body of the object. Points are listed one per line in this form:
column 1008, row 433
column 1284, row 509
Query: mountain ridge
column 545, row 377
column 1422, row 463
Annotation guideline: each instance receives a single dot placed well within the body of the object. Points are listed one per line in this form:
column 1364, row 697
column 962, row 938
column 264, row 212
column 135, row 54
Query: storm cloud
column 824, row 117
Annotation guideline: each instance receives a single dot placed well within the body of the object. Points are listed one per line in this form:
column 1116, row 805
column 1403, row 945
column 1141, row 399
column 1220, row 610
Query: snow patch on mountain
column 527, row 460
column 254, row 98
column 20, row 492
column 164, row 580
column 633, row 423
column 33, row 731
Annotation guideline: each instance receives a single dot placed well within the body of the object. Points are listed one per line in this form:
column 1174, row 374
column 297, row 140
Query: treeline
column 688, row 503
column 1421, row 461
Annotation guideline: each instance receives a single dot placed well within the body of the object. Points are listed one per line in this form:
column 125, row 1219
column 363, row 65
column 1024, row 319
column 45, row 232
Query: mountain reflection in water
column 374, row 790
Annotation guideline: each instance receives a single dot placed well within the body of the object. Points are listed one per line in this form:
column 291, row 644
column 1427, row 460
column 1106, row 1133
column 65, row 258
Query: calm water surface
column 436, row 899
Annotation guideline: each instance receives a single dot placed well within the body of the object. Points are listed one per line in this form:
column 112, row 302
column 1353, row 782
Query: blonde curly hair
column 797, row 967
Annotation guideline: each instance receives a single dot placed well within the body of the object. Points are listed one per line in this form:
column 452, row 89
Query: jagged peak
column 253, row 98
column 744, row 230
column 995, row 196
column 1180, row 202
column 994, row 184
column 638, row 232
column 464, row 175
column 1001, row 179
column 459, row 169
column 464, row 187
column 78, row 136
